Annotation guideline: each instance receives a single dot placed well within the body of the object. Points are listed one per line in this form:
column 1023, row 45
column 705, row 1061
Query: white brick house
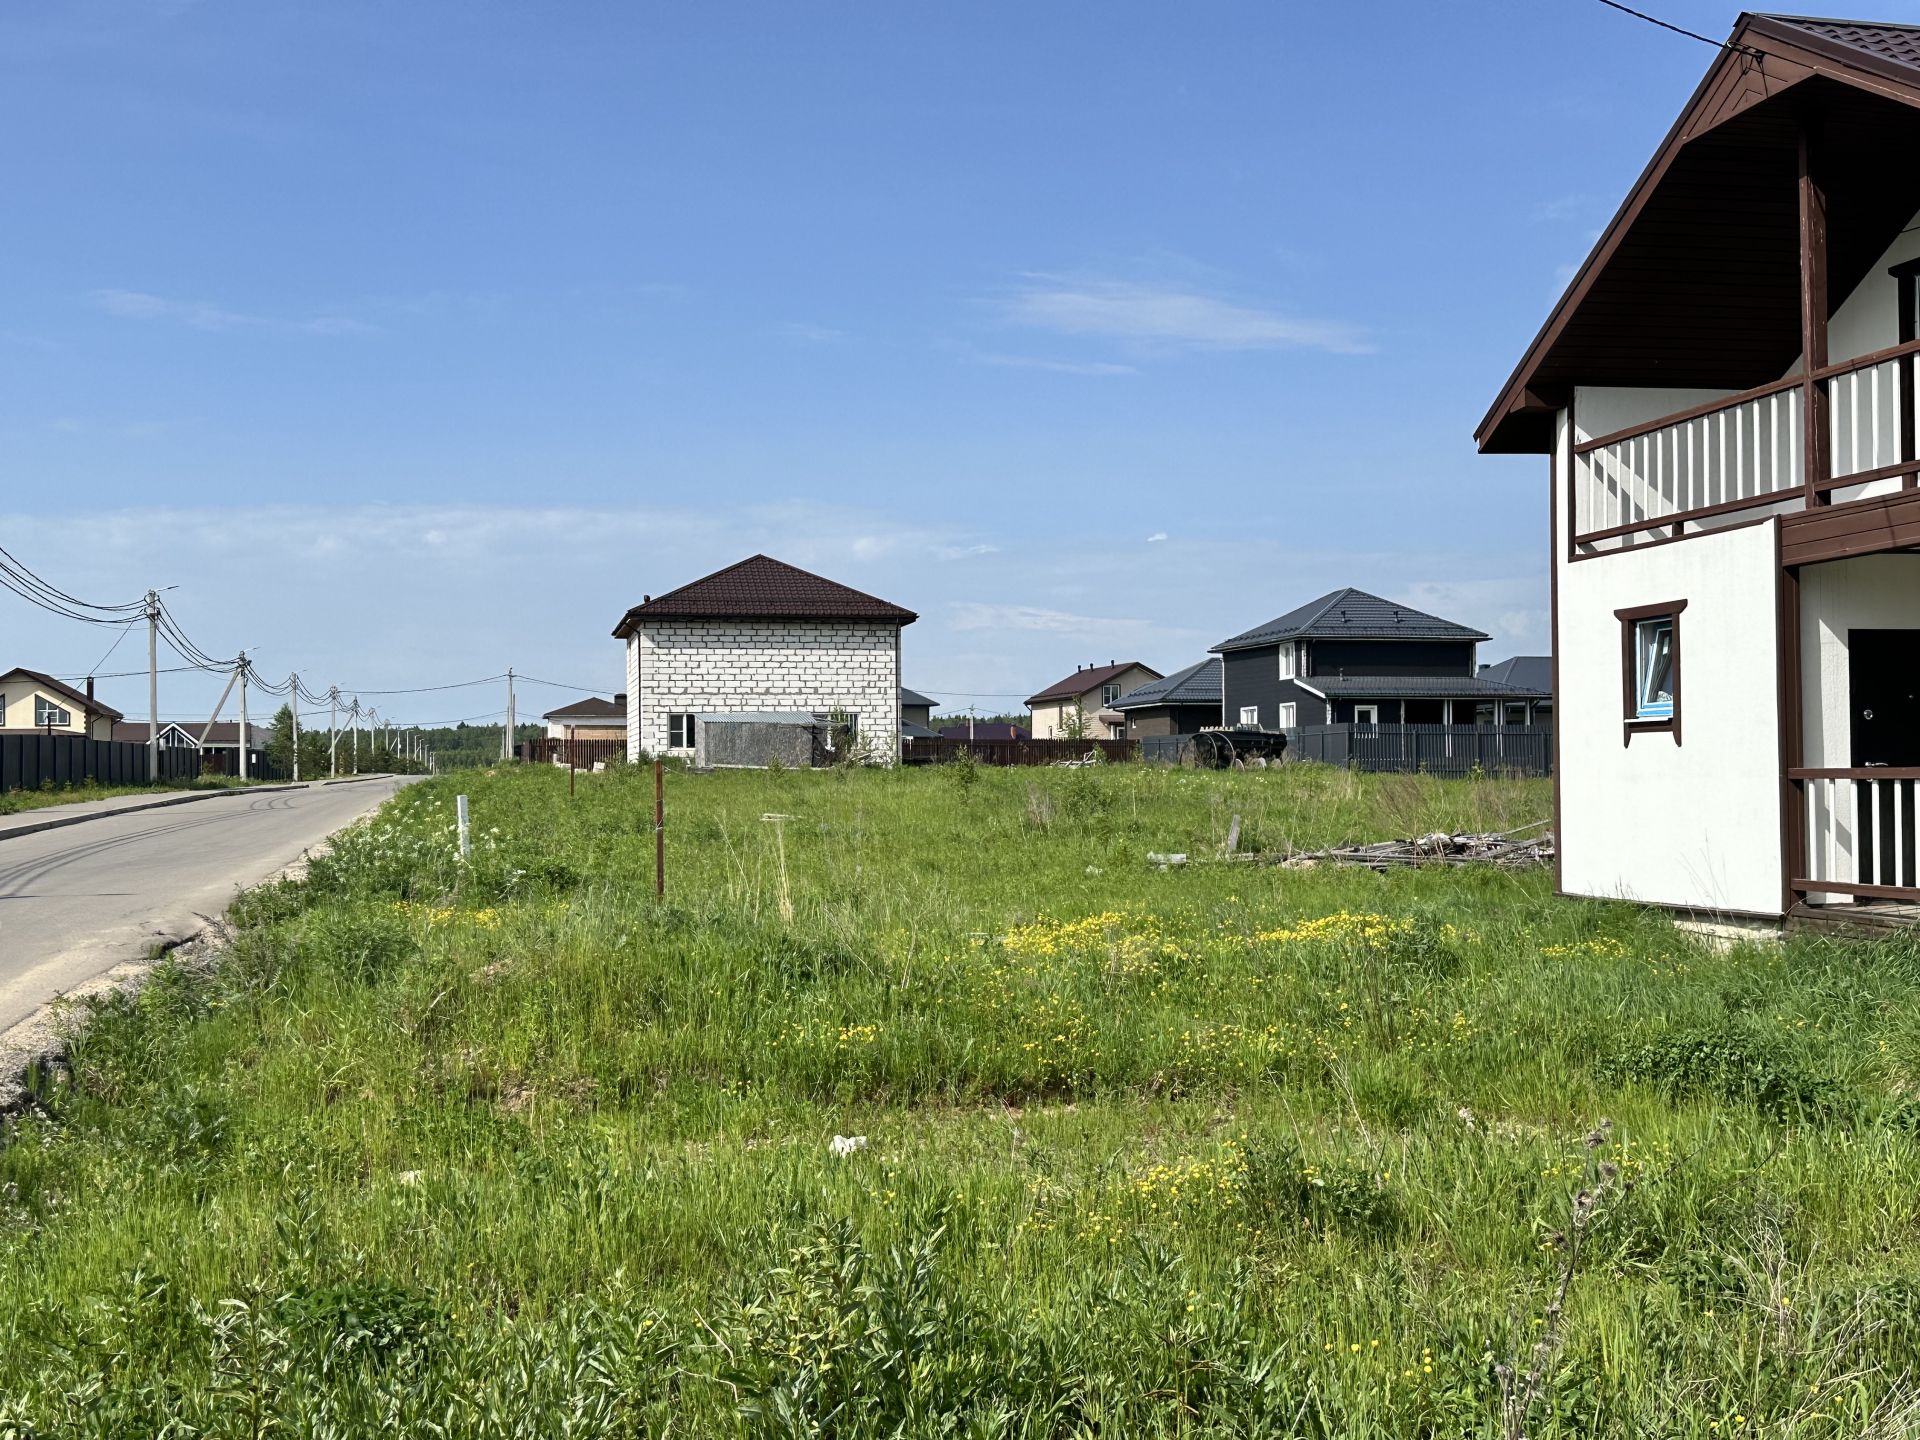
column 761, row 635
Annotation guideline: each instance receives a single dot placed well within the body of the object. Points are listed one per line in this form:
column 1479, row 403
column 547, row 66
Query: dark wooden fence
column 31, row 762
column 1429, row 749
column 551, row 750
column 920, row 751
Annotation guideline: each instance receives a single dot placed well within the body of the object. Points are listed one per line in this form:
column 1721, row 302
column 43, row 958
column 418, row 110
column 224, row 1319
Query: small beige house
column 32, row 703
column 1091, row 691
column 589, row 719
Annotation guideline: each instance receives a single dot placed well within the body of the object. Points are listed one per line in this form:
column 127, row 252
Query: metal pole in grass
column 570, row 766
column 659, row 831
column 466, row 843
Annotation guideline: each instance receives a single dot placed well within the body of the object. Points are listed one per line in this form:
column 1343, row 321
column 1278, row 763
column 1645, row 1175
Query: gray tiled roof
column 1533, row 671
column 1365, row 687
column 914, row 697
column 1196, row 685
column 1355, row 615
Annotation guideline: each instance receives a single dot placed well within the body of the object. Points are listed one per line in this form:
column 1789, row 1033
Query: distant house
column 1353, row 658
column 1182, row 703
column 762, row 636
column 1532, row 672
column 220, row 752
column 1091, row 690
column 985, row 730
column 39, row 704
column 916, row 715
column 589, row 719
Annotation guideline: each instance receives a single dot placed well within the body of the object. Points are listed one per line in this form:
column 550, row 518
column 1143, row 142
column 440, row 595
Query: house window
column 1286, row 661
column 1650, row 668
column 1289, row 715
column 1366, row 714
column 680, row 732
column 3, row 712
column 45, row 712
column 1516, row 712
column 1249, row 714
column 1109, row 693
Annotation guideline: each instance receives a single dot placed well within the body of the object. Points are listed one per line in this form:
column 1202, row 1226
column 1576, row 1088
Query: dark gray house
column 1353, row 658
column 916, row 715
column 1532, row 672
column 1182, row 703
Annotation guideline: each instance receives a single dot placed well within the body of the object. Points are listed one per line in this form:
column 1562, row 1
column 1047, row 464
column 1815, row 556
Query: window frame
column 1249, row 714
column 1373, row 713
column 1289, row 714
column 1633, row 722
column 1289, row 664
column 1109, row 693
column 685, row 722
column 44, row 711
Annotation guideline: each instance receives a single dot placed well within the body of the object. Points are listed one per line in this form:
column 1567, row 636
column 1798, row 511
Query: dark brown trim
column 1867, row 361
column 1803, row 886
column 1866, row 477
column 1681, row 517
column 1813, row 309
column 1856, row 772
column 1553, row 631
column 1787, row 659
column 1675, row 539
column 1631, row 723
column 1858, row 527
column 1904, row 273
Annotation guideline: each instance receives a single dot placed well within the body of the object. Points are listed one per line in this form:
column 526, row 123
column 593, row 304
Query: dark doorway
column 1883, row 694
column 1425, row 712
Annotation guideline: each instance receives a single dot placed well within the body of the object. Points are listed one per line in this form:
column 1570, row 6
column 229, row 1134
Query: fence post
column 659, row 831
column 466, row 843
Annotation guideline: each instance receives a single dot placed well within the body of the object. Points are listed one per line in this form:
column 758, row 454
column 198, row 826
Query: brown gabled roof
column 1081, row 681
column 593, row 706
column 78, row 697
column 1695, row 281
column 762, row 588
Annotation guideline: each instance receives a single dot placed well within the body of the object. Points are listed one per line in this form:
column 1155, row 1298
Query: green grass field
column 505, row 1148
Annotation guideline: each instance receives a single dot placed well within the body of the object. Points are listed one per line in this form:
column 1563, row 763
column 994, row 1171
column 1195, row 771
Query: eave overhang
column 1694, row 282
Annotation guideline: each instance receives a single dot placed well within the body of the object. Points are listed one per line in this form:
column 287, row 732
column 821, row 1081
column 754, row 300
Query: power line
column 1680, row 30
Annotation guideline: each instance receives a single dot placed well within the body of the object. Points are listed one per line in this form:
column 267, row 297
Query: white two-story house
column 1726, row 393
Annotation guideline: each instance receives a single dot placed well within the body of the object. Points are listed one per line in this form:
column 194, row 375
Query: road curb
column 58, row 822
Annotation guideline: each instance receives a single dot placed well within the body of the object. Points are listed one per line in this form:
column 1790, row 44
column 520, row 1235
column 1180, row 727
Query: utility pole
column 333, row 732
column 293, row 700
column 506, row 735
column 246, row 735
column 353, row 724
column 153, row 685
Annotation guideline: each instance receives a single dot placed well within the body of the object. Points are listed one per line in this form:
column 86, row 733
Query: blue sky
column 413, row 341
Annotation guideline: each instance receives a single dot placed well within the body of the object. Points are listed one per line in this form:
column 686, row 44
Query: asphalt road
column 77, row 901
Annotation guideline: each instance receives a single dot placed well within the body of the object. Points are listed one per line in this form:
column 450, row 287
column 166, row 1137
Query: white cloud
column 197, row 315
column 981, row 615
column 1157, row 535
column 1169, row 317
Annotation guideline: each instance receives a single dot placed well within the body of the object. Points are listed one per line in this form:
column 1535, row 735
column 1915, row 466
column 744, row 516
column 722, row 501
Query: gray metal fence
column 31, row 762
column 1431, row 749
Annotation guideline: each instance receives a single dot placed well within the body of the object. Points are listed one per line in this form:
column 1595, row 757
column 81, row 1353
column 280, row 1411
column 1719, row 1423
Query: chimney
column 620, row 699
column 89, row 688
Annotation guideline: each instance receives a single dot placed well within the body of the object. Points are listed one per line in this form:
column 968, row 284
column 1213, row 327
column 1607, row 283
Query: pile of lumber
column 1513, row 849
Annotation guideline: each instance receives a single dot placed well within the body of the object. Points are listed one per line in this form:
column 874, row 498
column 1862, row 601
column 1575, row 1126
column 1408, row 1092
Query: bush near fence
column 935, row 751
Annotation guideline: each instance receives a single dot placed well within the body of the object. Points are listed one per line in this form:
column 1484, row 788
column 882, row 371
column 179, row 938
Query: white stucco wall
column 1695, row 824
column 704, row 666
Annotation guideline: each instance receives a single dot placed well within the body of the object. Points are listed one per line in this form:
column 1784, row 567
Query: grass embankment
column 504, row 1148
column 13, row 802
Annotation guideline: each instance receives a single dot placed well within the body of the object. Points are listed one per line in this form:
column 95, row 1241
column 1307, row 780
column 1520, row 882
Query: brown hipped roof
column 593, row 707
column 1695, row 281
column 1081, row 681
column 79, row 698
column 762, row 588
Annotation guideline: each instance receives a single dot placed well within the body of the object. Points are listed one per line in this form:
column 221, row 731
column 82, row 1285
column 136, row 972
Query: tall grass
column 502, row 1147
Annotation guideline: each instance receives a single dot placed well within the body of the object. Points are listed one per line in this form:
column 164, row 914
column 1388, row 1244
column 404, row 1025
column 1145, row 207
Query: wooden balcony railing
column 1859, row 835
column 1749, row 450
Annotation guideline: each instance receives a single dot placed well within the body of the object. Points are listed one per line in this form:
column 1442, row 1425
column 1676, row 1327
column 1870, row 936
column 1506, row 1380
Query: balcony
column 1747, row 456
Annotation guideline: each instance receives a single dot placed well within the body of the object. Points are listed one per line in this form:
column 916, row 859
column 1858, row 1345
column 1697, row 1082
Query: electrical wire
column 1678, row 30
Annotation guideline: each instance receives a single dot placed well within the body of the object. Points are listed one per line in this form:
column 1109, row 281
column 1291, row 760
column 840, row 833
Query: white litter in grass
column 847, row 1144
